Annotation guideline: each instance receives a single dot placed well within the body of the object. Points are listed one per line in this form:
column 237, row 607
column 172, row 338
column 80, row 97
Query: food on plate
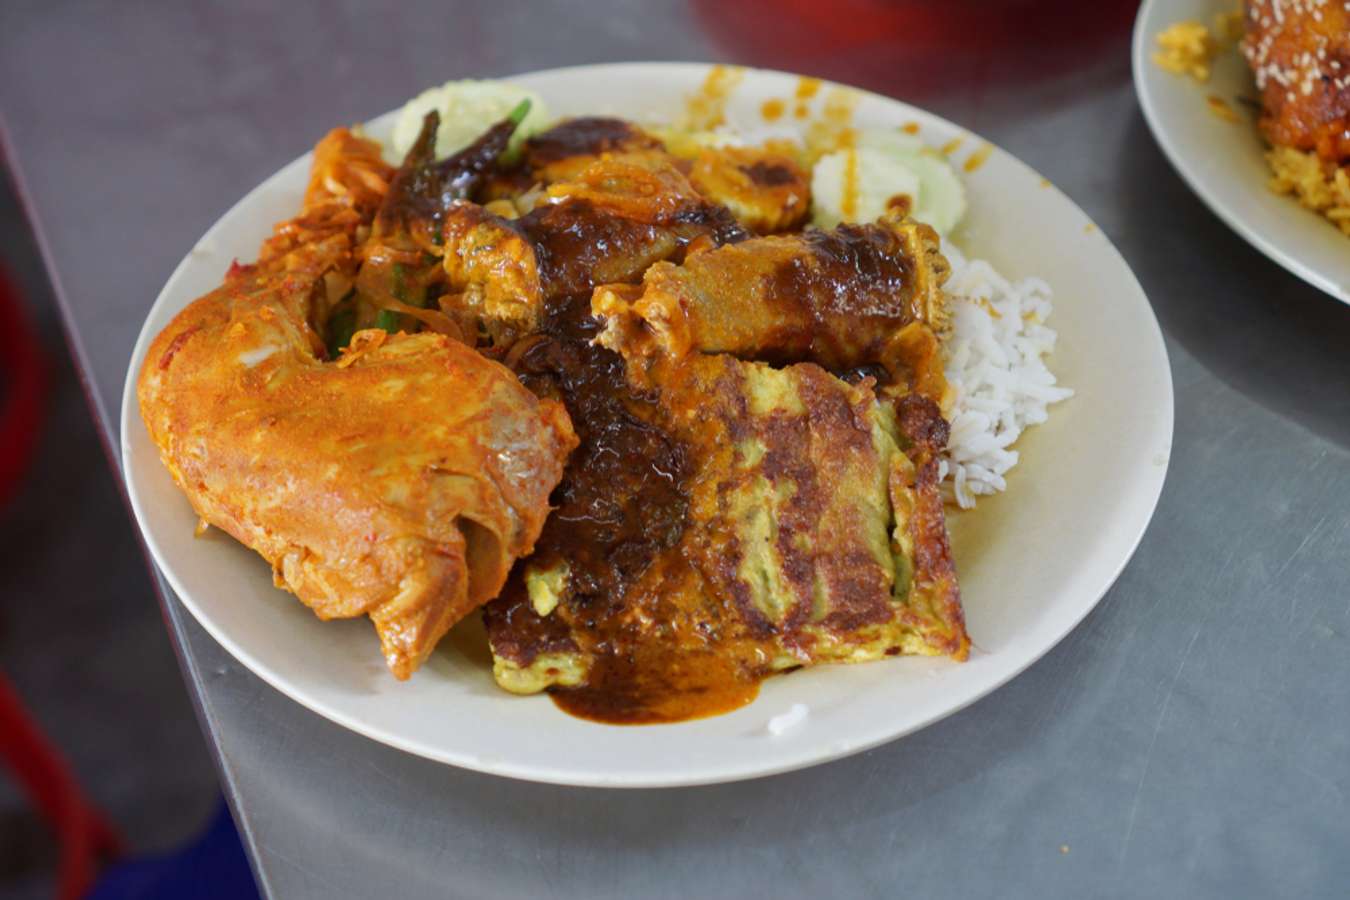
column 857, row 295
column 670, row 405
column 1299, row 51
column 880, row 171
column 606, row 220
column 765, row 189
column 464, row 109
column 1299, row 54
column 399, row 480
column 1186, row 48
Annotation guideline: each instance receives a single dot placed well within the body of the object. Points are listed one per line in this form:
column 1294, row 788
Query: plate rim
column 130, row 418
column 1270, row 247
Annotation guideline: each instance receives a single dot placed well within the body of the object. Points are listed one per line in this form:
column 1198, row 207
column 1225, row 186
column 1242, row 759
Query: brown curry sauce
column 620, row 514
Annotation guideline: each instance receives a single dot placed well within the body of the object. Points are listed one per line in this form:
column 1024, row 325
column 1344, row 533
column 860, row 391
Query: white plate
column 1033, row 562
column 1224, row 162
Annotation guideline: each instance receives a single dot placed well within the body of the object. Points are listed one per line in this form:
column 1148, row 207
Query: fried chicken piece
column 1300, row 53
column 766, row 191
column 400, row 482
column 856, row 296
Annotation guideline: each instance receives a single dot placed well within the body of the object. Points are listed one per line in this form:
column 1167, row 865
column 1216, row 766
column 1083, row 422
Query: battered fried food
column 399, row 482
column 608, row 223
column 843, row 298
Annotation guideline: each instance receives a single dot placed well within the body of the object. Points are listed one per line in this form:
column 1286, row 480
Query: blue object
column 215, row 867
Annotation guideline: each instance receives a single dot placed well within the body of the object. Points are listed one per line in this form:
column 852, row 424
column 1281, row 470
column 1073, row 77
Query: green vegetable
column 467, row 109
column 520, row 112
column 388, row 320
column 341, row 327
column 883, row 166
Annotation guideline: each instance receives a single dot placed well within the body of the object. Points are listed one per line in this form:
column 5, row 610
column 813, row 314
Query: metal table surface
column 1191, row 737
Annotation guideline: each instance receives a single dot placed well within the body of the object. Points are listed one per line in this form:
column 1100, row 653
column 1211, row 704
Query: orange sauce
column 910, row 128
column 1221, row 108
column 629, row 689
column 807, row 88
column 848, row 204
column 978, row 158
column 707, row 107
column 833, row 130
column 772, row 110
column 952, row 146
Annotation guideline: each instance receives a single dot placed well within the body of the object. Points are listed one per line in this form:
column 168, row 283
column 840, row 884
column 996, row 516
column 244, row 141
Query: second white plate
column 1224, row 162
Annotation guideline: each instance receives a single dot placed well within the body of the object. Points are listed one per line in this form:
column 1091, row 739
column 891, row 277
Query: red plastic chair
column 85, row 836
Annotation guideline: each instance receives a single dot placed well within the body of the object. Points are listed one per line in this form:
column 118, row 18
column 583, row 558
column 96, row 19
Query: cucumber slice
column 888, row 163
column 896, row 143
column 467, row 108
column 855, row 185
column 942, row 195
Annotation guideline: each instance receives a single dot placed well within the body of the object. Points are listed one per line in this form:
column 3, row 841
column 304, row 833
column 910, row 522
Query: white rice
column 995, row 363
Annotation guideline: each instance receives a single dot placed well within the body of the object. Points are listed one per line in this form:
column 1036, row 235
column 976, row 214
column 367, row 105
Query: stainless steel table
column 1192, row 737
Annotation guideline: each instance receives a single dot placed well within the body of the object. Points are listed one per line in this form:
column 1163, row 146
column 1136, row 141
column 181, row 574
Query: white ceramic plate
column 1224, row 162
column 1033, row 562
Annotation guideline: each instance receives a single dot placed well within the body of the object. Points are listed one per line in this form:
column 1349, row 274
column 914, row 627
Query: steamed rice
column 995, row 363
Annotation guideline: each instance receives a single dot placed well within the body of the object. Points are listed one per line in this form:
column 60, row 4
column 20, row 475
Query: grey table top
column 1191, row 737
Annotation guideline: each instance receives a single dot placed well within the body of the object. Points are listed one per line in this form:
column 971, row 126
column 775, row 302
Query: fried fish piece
column 800, row 523
column 400, row 482
column 855, row 296
column 1300, row 53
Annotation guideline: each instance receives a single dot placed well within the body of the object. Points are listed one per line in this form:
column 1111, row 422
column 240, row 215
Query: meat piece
column 400, row 482
column 400, row 274
column 1300, row 53
column 766, row 191
column 562, row 151
column 843, row 298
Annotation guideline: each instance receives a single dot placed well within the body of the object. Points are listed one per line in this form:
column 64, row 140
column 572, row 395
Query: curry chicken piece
column 1300, row 52
column 856, row 296
column 399, row 482
column 608, row 223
